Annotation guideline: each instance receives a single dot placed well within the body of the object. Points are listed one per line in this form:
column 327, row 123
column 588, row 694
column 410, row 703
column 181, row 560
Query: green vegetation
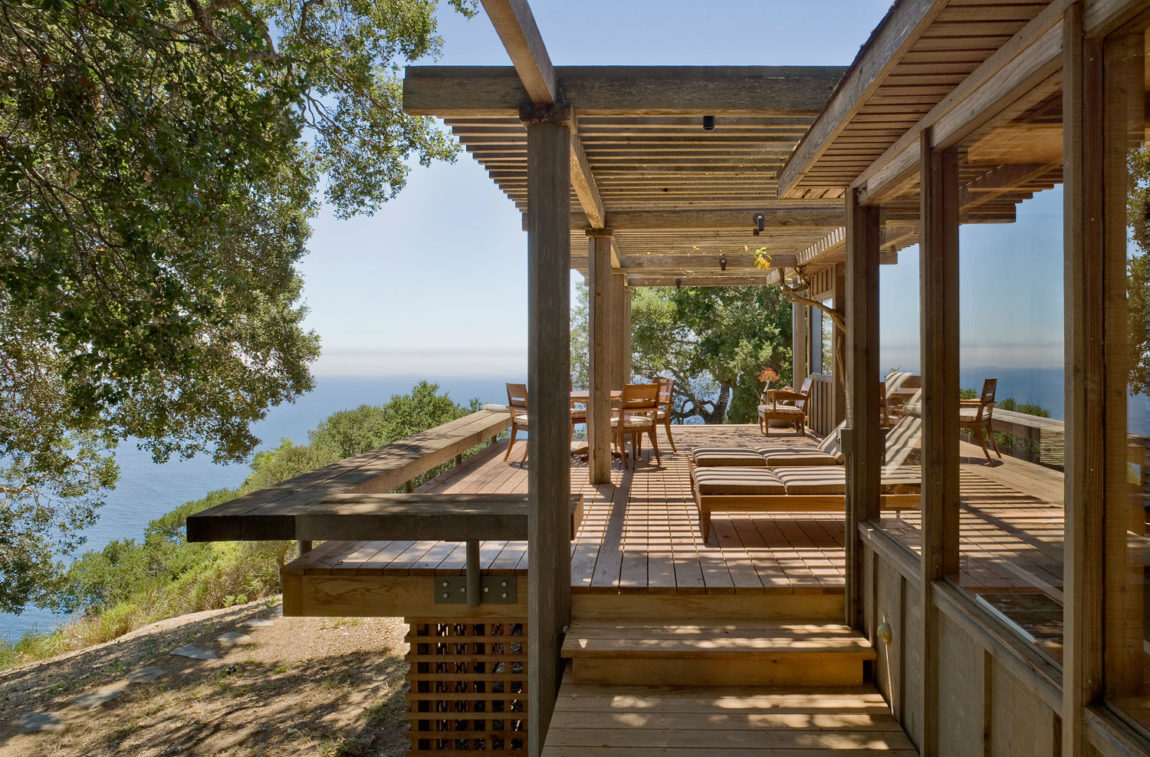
column 129, row 584
column 160, row 162
column 714, row 341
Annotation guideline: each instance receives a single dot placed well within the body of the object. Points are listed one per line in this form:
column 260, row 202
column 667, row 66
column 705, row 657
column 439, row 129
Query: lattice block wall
column 468, row 686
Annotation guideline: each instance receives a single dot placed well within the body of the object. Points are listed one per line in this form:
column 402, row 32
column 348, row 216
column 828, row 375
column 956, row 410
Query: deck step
column 717, row 654
column 592, row 720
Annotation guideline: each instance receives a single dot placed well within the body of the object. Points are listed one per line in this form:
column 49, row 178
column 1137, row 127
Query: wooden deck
column 638, row 551
column 640, row 534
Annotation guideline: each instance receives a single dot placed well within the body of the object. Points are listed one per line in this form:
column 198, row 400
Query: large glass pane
column 1011, row 366
column 899, row 382
column 1128, row 343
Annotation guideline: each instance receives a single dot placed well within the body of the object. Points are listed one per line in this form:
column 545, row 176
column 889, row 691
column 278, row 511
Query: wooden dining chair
column 517, row 406
column 976, row 415
column 666, row 397
column 635, row 415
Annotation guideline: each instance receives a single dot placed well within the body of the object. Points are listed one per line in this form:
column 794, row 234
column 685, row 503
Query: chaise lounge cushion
column 710, row 456
column 737, row 480
column 775, row 457
column 813, row 479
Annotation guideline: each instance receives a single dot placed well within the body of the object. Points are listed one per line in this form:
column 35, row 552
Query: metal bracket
column 495, row 590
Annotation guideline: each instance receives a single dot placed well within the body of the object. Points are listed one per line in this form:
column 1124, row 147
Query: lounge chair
column 775, row 407
column 829, row 452
column 808, row 488
column 976, row 415
column 517, row 405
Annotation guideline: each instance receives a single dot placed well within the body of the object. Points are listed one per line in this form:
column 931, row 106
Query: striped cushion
column 737, row 480
column 707, row 456
column 776, row 457
column 780, row 411
column 813, row 479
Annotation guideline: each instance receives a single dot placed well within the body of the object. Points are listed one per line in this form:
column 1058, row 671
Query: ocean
column 147, row 490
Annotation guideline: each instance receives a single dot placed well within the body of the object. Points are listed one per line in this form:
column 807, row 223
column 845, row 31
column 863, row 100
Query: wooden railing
column 821, row 404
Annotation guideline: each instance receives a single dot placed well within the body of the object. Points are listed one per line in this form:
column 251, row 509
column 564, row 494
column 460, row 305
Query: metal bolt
column 486, row 589
column 444, row 584
column 503, row 584
column 503, row 595
column 446, row 595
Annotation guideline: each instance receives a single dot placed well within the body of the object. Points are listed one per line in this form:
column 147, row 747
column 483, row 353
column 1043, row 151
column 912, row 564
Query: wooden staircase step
column 720, row 654
column 597, row 720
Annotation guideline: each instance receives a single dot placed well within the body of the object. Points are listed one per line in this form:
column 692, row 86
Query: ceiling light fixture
column 722, row 262
column 760, row 224
column 708, row 123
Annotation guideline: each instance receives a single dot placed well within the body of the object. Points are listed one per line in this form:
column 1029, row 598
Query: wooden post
column 621, row 321
column 865, row 442
column 1086, row 439
column 938, row 276
column 839, row 347
column 548, row 361
column 601, row 357
column 800, row 342
column 625, row 333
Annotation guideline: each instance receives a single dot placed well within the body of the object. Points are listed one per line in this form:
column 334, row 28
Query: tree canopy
column 159, row 164
column 714, row 341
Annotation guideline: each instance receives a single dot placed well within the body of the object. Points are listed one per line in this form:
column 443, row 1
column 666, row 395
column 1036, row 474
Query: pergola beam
column 516, row 27
column 478, row 91
column 829, row 214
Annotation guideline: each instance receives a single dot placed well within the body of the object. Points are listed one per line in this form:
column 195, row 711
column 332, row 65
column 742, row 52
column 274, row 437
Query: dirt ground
column 328, row 686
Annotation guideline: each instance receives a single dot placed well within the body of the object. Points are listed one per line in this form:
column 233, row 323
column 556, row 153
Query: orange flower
column 768, row 374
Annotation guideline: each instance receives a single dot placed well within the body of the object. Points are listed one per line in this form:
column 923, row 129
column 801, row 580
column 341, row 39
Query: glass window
column 827, row 338
column 899, row 382
column 817, row 342
column 1128, row 340
column 1011, row 366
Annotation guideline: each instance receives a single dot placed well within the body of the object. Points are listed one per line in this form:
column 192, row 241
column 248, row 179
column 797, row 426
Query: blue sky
column 435, row 282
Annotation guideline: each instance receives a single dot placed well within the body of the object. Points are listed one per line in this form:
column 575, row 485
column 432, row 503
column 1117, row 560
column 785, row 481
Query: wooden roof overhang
column 678, row 198
column 913, row 63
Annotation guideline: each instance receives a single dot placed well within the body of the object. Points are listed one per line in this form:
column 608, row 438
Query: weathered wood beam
column 600, row 359
column 828, row 214
column 476, row 91
column 938, row 276
column 897, row 33
column 864, row 443
column 696, row 281
column 1095, row 475
column 516, row 27
column 584, row 186
column 549, row 474
column 698, row 260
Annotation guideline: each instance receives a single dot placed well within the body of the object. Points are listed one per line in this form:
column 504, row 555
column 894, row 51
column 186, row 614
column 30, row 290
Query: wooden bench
column 269, row 513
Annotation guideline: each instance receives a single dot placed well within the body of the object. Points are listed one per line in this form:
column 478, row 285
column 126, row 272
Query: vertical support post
column 1086, row 439
column 548, row 361
column 601, row 358
column 938, row 276
column 625, row 332
column 839, row 348
column 865, row 441
column 800, row 342
column 621, row 314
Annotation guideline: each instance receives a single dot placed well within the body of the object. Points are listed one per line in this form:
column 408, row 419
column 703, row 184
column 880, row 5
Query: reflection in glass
column 1011, row 367
column 899, row 384
column 1128, row 236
